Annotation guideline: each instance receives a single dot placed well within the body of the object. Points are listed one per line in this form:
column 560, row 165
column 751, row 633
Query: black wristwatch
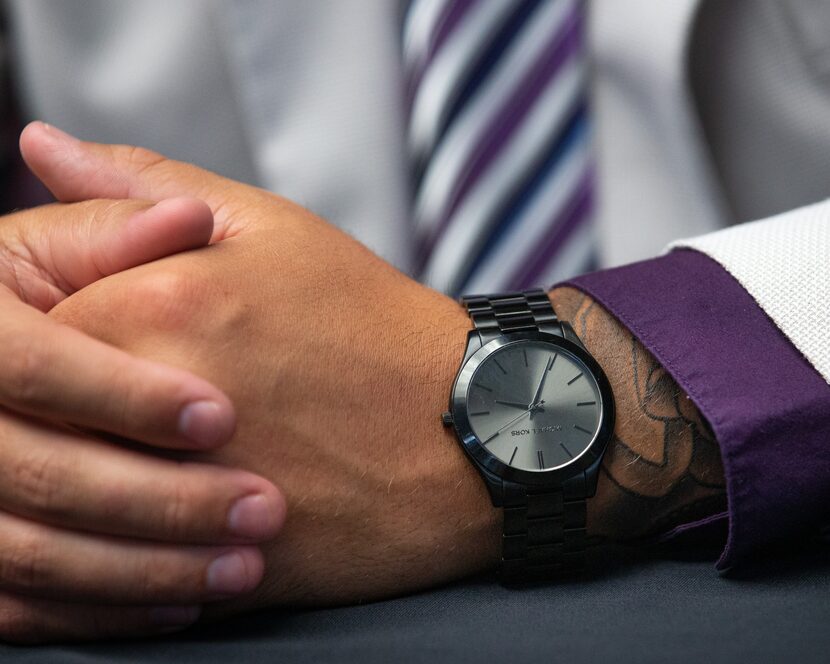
column 534, row 412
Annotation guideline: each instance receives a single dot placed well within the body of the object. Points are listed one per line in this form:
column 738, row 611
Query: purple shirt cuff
column 768, row 407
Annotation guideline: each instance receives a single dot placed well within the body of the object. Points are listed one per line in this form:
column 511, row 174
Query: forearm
column 663, row 466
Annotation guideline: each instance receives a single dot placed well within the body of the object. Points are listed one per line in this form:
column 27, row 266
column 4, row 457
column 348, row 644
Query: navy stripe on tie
column 487, row 61
column 449, row 18
column 475, row 76
column 501, row 222
column 561, row 47
column 562, row 227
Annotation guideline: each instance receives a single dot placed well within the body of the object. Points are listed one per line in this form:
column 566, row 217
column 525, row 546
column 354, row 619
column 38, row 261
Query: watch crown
column 446, row 419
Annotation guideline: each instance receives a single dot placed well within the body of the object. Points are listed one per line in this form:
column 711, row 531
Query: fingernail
column 227, row 575
column 202, row 423
column 173, row 617
column 58, row 133
column 253, row 517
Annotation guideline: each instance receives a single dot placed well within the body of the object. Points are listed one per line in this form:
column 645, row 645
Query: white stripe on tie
column 434, row 94
column 419, row 27
column 534, row 222
column 450, row 255
column 453, row 153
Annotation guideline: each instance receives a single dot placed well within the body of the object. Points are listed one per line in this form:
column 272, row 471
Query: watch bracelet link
column 494, row 315
column 544, row 529
column 544, row 533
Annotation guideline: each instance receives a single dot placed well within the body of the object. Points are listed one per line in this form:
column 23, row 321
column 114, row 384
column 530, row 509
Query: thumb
column 51, row 251
column 75, row 170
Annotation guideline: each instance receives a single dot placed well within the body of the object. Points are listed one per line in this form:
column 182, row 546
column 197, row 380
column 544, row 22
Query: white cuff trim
column 784, row 263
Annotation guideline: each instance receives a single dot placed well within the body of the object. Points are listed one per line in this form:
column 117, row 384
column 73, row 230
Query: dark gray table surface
column 638, row 610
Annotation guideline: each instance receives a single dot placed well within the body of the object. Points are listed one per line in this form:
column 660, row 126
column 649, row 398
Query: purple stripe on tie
column 567, row 41
column 450, row 17
column 562, row 227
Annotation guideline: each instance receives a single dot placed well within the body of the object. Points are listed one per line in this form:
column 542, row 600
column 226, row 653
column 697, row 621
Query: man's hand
column 52, row 371
column 339, row 367
column 64, row 494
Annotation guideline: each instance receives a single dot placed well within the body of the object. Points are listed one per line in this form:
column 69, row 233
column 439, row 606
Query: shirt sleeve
column 741, row 318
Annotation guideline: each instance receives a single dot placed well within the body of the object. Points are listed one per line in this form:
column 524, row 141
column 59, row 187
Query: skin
column 56, row 384
column 339, row 367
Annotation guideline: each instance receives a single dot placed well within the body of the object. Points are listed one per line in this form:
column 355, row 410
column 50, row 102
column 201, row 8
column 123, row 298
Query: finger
column 97, row 238
column 42, row 561
column 55, row 372
column 52, row 371
column 29, row 620
column 56, row 250
column 63, row 478
column 77, row 170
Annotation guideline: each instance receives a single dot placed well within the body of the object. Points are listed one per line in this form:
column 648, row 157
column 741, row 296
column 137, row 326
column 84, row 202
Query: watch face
column 534, row 406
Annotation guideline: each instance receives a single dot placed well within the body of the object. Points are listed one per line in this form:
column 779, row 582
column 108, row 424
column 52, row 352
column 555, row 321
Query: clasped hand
column 133, row 492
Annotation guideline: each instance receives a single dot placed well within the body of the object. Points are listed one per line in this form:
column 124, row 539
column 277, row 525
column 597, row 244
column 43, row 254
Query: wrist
column 650, row 476
column 662, row 466
column 467, row 524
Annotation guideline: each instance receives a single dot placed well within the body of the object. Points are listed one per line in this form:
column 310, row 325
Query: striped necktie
column 498, row 133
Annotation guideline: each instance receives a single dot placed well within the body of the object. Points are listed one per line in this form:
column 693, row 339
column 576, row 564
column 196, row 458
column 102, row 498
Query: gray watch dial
column 534, row 406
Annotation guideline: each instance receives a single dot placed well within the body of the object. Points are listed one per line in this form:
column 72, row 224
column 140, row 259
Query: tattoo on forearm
column 663, row 466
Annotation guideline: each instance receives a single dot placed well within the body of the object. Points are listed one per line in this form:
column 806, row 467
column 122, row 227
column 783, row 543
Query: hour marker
column 490, row 438
column 481, row 412
column 567, row 451
column 586, row 403
column 485, row 388
column 579, row 375
column 512, row 456
column 496, row 362
column 541, row 459
column 524, row 352
column 551, row 361
column 576, row 426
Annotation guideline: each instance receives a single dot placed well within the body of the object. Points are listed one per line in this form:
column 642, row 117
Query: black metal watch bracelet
column 544, row 528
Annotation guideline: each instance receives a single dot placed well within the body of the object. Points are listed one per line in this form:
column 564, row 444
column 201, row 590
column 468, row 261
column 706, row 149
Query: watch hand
column 511, row 422
column 541, row 383
column 513, row 404
column 541, row 386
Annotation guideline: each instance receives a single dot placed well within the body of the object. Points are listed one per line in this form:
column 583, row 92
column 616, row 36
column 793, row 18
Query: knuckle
column 173, row 578
column 139, row 158
column 26, row 363
column 145, row 582
column 175, row 516
column 154, row 581
column 161, row 577
column 165, row 285
column 38, row 481
column 94, row 211
column 24, row 563
column 167, row 298
column 102, row 210
column 127, row 410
